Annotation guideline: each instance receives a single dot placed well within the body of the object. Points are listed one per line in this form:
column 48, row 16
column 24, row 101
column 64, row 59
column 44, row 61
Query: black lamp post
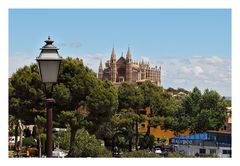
column 49, row 63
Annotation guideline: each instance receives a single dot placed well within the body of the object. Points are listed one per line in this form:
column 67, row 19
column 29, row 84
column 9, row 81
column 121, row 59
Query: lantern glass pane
column 49, row 70
column 49, row 54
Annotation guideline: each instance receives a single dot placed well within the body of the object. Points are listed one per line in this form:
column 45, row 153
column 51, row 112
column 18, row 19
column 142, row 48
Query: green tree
column 179, row 122
column 29, row 141
column 202, row 121
column 154, row 98
column 102, row 103
column 11, row 123
column 185, row 115
column 202, row 112
column 122, row 126
column 215, row 107
column 62, row 96
column 114, row 131
column 25, row 93
column 75, row 84
column 62, row 138
column 74, row 120
column 131, row 98
column 86, row 145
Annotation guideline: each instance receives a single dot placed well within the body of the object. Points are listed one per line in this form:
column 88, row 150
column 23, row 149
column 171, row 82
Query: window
column 225, row 127
column 202, row 151
column 226, row 152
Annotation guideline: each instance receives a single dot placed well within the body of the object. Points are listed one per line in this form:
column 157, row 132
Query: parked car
column 11, row 139
column 117, row 152
column 58, row 153
column 157, row 151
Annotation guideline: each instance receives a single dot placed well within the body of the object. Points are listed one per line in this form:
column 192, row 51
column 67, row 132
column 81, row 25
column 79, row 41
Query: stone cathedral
column 125, row 69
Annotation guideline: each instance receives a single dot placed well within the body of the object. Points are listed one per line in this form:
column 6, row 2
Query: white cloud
column 180, row 81
column 74, row 44
column 211, row 72
column 18, row 60
column 197, row 70
column 214, row 60
column 192, row 70
column 92, row 60
column 185, row 70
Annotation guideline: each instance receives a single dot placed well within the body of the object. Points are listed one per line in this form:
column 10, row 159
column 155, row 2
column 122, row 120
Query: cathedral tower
column 129, row 65
column 113, row 66
column 100, row 71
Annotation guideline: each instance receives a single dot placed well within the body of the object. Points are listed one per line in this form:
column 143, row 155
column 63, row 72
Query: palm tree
column 40, row 123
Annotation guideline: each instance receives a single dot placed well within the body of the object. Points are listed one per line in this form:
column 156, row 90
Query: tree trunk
column 113, row 147
column 148, row 129
column 39, row 143
column 71, row 152
column 147, row 135
column 131, row 134
column 39, row 146
column 137, row 135
column 149, row 124
column 21, row 136
column 113, row 144
column 130, row 144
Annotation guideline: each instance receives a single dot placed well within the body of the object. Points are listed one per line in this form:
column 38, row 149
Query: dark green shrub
column 177, row 155
column 29, row 141
column 147, row 142
column 43, row 142
column 104, row 152
column 63, row 139
column 86, row 145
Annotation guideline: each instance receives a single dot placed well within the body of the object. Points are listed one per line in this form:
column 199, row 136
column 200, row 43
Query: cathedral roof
column 121, row 59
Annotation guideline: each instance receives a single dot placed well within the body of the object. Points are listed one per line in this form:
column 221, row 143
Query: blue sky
column 192, row 46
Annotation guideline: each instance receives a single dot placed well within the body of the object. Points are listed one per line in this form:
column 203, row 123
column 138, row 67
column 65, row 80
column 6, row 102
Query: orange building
column 156, row 131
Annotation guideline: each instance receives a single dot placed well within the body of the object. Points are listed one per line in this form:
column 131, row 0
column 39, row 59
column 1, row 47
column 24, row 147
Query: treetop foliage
column 108, row 112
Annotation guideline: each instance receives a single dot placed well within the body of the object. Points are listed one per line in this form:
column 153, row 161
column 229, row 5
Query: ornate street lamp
column 49, row 63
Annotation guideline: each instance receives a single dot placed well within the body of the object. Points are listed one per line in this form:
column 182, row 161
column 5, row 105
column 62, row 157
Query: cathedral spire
column 100, row 71
column 129, row 54
column 113, row 67
column 113, row 55
column 100, row 66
